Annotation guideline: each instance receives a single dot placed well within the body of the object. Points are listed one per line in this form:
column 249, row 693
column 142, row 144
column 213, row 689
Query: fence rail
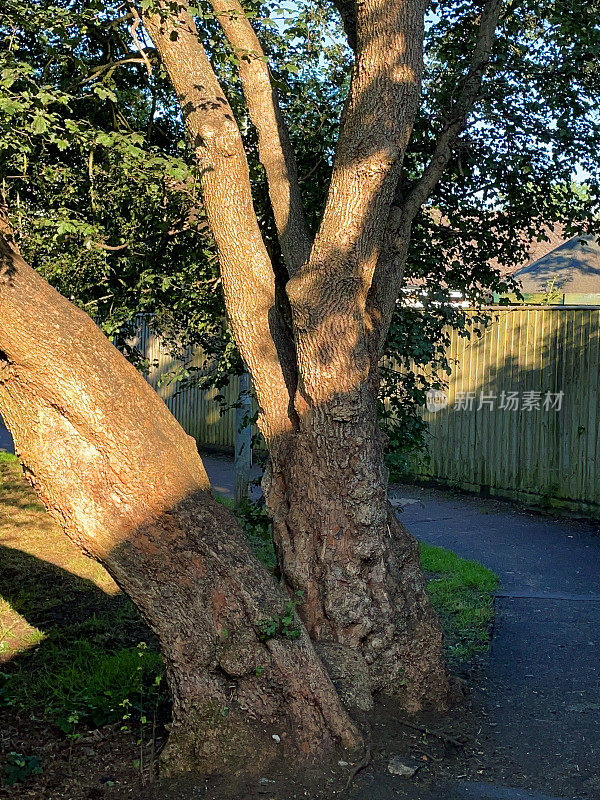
column 482, row 440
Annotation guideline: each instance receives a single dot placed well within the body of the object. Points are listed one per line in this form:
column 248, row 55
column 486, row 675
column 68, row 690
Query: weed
column 284, row 625
column 18, row 768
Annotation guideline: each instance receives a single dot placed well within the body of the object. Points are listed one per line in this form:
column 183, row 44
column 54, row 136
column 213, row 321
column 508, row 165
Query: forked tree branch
column 458, row 117
column 375, row 129
column 274, row 147
column 246, row 270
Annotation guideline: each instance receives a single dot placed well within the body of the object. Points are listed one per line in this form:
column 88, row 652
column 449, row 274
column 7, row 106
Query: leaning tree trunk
column 128, row 486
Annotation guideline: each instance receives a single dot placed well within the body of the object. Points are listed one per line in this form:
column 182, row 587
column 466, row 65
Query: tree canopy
column 104, row 189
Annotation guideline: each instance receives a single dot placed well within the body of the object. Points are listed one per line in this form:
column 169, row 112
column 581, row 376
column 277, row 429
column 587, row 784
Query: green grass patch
column 462, row 592
column 81, row 684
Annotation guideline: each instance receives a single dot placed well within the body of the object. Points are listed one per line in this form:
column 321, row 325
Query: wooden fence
column 519, row 418
column 522, row 415
column 199, row 412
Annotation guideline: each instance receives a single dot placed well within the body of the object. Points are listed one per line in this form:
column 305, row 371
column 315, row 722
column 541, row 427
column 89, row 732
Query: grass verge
column 462, row 592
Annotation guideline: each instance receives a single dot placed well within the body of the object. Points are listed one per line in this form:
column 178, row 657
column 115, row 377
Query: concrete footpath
column 538, row 700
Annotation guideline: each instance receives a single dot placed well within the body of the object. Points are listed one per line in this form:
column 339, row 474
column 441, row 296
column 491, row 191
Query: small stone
column 265, row 785
column 276, row 738
column 342, row 763
column 402, row 767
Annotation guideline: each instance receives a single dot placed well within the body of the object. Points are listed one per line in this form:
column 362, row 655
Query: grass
column 462, row 592
column 82, row 683
column 72, row 648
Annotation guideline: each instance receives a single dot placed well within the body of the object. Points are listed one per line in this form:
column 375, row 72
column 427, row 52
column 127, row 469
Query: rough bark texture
column 366, row 605
column 274, row 148
column 246, row 271
column 128, row 486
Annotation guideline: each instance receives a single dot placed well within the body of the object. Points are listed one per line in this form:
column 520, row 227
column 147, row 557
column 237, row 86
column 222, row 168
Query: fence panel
column 495, row 435
column 522, row 413
column 198, row 411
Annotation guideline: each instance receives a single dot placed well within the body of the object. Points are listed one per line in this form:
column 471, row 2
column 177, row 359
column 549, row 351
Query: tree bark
column 246, row 270
column 127, row 484
column 366, row 607
column 274, row 147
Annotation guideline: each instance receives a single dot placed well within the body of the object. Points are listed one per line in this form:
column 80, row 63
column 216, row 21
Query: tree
column 127, row 484
column 313, row 355
column 310, row 315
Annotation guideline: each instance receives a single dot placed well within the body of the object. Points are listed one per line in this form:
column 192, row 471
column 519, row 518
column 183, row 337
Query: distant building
column 567, row 275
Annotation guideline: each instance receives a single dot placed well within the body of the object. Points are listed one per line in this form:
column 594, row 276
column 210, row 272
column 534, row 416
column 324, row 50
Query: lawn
column 76, row 659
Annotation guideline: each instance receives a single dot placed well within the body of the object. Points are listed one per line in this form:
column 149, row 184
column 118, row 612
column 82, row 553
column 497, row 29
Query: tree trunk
column 366, row 607
column 128, row 486
column 365, row 600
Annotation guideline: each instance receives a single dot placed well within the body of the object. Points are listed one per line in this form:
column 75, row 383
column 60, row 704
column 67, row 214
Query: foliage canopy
column 95, row 166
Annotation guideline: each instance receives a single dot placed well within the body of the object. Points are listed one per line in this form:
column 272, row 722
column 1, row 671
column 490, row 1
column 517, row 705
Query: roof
column 571, row 268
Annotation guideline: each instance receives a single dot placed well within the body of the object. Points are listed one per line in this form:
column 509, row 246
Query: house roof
column 571, row 268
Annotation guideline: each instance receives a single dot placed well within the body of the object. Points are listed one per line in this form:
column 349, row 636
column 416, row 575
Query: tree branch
column 390, row 267
column 133, row 31
column 458, row 117
column 375, row 129
column 328, row 295
column 110, row 67
column 246, row 271
column 274, row 147
column 348, row 15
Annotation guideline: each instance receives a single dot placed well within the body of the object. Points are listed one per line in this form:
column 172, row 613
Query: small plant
column 284, row 625
column 18, row 768
column 73, row 734
column 256, row 524
column 552, row 291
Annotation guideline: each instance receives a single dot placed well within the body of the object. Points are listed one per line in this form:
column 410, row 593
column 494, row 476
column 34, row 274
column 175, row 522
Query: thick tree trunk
column 366, row 607
column 128, row 486
column 365, row 599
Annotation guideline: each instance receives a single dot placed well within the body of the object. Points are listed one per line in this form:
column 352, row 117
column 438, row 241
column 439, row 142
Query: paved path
column 6, row 442
column 540, row 697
